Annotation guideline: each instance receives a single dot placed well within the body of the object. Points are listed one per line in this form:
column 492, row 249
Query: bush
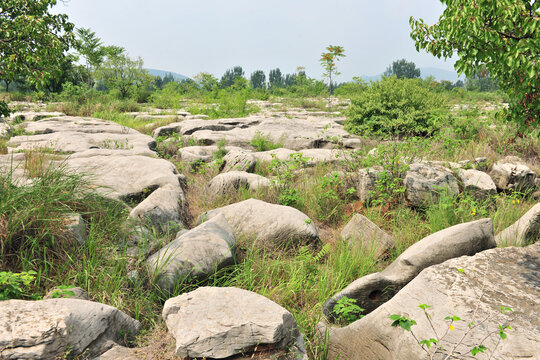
column 394, row 108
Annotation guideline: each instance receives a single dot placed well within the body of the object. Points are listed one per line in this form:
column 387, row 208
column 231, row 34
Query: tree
column 502, row 35
column 90, row 47
column 206, row 81
column 289, row 80
column 403, row 69
column 328, row 61
column 228, row 79
column 275, row 79
column 120, row 72
column 32, row 41
column 480, row 80
column 258, row 80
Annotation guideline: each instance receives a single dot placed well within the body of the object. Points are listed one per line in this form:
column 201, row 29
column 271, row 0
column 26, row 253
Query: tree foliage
column 503, row 35
column 328, row 61
column 91, row 48
column 230, row 77
column 258, row 80
column 32, row 41
column 403, row 69
column 275, row 79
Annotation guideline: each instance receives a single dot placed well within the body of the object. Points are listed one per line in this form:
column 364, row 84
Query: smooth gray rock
column 270, row 224
column 373, row 290
column 513, row 175
column 47, row 329
column 195, row 254
column 508, row 277
column 525, row 231
column 165, row 208
column 424, row 183
column 361, row 232
column 76, row 228
column 366, row 186
column 309, row 157
column 477, row 182
column 229, row 182
column 238, row 160
column 216, row 323
column 34, row 115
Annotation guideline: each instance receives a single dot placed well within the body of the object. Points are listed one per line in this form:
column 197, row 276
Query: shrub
column 394, row 107
column 263, row 142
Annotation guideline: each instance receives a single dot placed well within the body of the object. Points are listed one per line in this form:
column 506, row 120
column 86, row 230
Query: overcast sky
column 189, row 37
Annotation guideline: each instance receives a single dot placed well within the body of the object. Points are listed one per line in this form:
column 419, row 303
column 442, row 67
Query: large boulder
column 524, row 231
column 229, row 182
column 216, row 323
column 373, row 290
column 49, row 329
column 270, row 224
column 238, row 160
column 472, row 288
column 361, row 232
column 477, row 182
column 424, row 184
column 512, row 174
column 194, row 254
column 366, row 186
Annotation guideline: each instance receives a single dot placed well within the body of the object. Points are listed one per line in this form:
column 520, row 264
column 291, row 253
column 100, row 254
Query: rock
column 117, row 352
column 309, row 157
column 238, row 160
column 311, row 132
column 70, row 135
column 524, row 231
column 213, row 322
column 477, row 182
column 508, row 277
column 165, row 208
column 513, row 175
column 195, row 154
column 34, row 115
column 424, row 183
column 230, row 182
column 76, row 228
column 360, row 231
column 48, row 329
column 68, row 293
column 366, row 186
column 271, row 224
column 373, row 290
column 195, row 254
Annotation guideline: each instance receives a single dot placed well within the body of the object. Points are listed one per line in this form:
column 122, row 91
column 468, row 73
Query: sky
column 189, row 37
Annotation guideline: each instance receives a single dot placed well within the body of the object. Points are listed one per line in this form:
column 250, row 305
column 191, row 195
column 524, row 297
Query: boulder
column 76, row 228
column 524, row 231
column 270, row 224
column 477, row 182
column 424, row 183
column 474, row 288
column 230, row 182
column 195, row 254
column 366, row 186
column 373, row 290
column 214, row 322
column 361, row 232
column 512, row 174
column 238, row 160
column 165, row 208
column 34, row 115
column 310, row 157
column 49, row 329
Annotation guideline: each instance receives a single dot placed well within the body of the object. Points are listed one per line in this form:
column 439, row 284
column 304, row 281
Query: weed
column 263, row 142
column 347, row 311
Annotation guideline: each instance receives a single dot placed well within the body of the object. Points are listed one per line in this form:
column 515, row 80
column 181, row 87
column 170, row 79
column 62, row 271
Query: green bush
column 395, row 108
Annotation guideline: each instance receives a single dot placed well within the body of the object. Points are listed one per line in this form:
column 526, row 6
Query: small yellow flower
column 451, row 327
column 513, row 201
column 517, row 201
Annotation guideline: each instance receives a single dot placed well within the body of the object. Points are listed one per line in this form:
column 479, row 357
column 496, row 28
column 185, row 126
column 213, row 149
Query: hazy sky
column 188, row 37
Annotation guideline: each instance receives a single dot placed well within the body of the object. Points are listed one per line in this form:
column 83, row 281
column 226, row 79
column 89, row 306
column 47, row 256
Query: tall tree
column 230, row 77
column 403, row 69
column 33, row 41
column 258, row 79
column 275, row 79
column 480, row 80
column 503, row 35
column 89, row 46
column 207, row 81
column 328, row 61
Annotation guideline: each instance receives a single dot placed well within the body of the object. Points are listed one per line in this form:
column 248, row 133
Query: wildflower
column 451, row 327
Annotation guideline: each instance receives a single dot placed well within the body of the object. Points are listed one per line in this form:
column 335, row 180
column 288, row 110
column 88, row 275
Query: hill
column 162, row 73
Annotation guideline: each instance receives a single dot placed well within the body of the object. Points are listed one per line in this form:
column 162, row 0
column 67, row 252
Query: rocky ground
column 457, row 271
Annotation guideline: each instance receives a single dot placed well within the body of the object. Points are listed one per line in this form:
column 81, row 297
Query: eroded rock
column 361, row 232
column 524, row 231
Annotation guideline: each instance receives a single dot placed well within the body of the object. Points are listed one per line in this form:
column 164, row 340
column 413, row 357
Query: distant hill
column 162, row 73
column 439, row 74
